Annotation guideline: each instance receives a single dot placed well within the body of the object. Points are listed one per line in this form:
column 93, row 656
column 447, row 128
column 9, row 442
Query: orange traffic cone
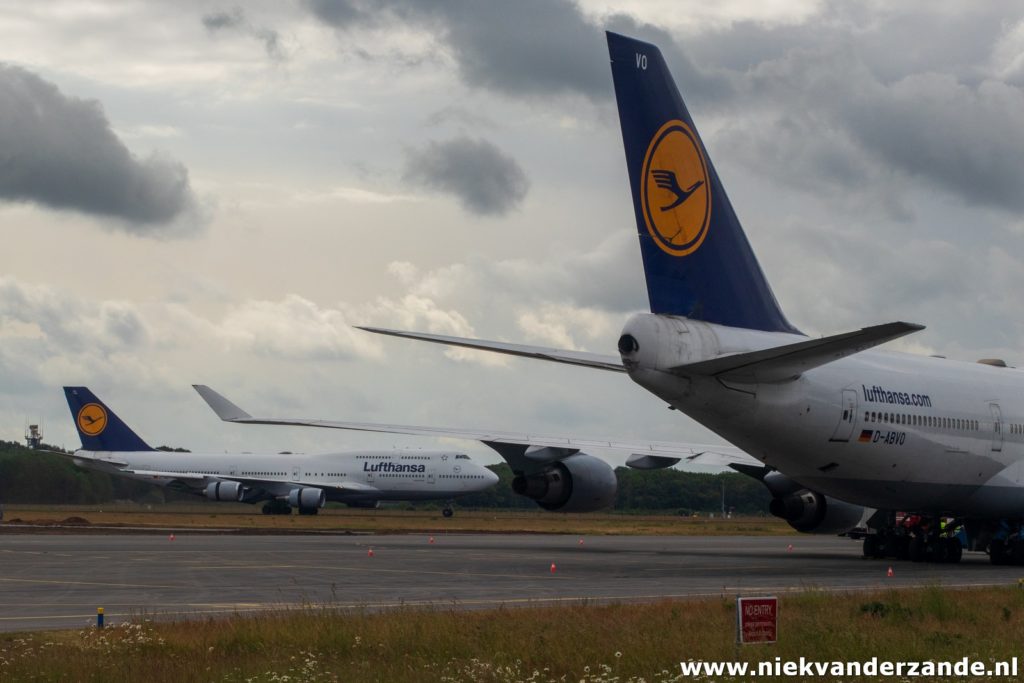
column 369, row 553
column 171, row 537
column 553, row 567
column 581, row 541
column 789, row 548
column 431, row 539
column 890, row 573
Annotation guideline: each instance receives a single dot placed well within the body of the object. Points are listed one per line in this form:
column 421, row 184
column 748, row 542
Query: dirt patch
column 77, row 521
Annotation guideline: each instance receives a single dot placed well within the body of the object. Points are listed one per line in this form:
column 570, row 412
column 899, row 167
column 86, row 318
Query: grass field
column 620, row 643
column 228, row 516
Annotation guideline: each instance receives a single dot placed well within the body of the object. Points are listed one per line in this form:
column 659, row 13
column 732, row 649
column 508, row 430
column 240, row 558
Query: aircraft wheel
column 873, row 547
column 917, row 550
column 267, row 510
column 447, row 512
column 954, row 551
column 997, row 553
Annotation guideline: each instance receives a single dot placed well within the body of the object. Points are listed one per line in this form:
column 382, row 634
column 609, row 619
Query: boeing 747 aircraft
column 838, row 431
column 283, row 481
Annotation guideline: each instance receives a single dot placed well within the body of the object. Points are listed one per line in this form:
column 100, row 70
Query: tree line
column 38, row 477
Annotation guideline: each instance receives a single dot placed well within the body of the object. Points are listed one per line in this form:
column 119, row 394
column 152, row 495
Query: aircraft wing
column 522, row 450
column 194, row 477
column 584, row 358
column 182, row 476
column 775, row 364
column 717, row 456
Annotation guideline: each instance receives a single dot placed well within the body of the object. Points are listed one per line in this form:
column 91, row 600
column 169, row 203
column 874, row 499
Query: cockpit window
column 462, row 457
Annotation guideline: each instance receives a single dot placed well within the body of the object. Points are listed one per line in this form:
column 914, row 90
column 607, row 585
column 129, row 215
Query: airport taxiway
column 58, row 580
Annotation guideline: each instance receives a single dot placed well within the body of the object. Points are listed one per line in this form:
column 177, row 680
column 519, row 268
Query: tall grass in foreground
column 597, row 643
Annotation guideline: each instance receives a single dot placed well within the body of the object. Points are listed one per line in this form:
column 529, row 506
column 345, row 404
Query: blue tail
column 697, row 260
column 98, row 426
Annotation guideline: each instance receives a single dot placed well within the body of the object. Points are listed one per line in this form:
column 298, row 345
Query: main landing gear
column 277, row 507
column 1007, row 548
column 918, row 539
column 448, row 511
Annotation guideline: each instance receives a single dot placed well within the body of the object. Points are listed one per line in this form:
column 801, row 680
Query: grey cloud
column 216, row 21
column 836, row 122
column 65, row 321
column 484, row 179
column 524, row 48
column 235, row 19
column 838, row 107
column 605, row 277
column 966, row 140
column 60, row 152
column 460, row 117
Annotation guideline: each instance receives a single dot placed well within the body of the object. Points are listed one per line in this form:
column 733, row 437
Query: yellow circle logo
column 675, row 189
column 92, row 419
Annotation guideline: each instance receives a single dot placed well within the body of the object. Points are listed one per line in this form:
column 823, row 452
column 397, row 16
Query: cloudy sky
column 207, row 192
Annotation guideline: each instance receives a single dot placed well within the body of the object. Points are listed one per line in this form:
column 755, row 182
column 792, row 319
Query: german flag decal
column 865, row 435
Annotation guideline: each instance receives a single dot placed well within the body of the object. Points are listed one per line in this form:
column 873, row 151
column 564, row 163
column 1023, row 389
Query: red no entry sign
column 757, row 620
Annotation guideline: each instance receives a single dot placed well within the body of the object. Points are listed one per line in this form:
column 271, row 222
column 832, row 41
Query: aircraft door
column 847, row 416
column 430, row 476
column 296, row 473
column 997, row 427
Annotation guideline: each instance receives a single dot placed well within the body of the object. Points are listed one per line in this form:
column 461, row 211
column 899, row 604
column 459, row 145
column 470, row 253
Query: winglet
column 225, row 409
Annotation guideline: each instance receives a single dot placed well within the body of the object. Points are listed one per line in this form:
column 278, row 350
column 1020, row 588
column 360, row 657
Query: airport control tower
column 33, row 436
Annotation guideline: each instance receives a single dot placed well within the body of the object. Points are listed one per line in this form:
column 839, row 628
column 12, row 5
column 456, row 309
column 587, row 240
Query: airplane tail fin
column 696, row 257
column 99, row 428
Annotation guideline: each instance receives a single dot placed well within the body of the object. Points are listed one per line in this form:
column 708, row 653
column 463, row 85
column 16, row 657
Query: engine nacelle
column 813, row 513
column 308, row 498
column 229, row 491
column 579, row 483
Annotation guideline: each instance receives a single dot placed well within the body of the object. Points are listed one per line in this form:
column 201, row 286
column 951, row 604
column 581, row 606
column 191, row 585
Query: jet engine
column 579, row 483
column 307, row 498
column 230, row 491
column 814, row 513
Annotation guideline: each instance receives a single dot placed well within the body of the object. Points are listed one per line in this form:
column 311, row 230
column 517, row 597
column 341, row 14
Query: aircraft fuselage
column 879, row 428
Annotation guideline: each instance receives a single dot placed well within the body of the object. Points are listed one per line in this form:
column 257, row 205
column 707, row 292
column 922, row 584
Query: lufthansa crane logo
column 675, row 189
column 92, row 419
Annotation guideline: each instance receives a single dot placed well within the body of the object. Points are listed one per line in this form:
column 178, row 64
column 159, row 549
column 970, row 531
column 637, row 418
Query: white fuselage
column 878, row 428
column 344, row 477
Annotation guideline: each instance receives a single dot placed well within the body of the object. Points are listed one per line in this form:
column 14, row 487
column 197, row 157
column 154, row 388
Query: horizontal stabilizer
column 584, row 358
column 782, row 363
column 84, row 454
